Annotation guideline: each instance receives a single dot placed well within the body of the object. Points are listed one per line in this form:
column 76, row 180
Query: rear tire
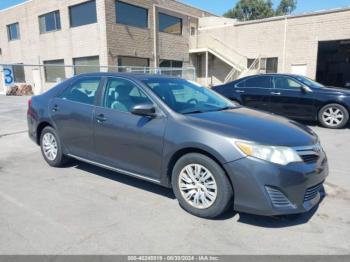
column 51, row 148
column 201, row 186
column 333, row 116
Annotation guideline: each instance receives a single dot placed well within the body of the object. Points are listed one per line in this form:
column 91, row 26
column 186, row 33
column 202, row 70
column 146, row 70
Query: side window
column 82, row 91
column 260, row 82
column 282, row 82
column 122, row 95
column 240, row 84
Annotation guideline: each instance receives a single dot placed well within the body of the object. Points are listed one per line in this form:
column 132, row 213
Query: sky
column 219, row 7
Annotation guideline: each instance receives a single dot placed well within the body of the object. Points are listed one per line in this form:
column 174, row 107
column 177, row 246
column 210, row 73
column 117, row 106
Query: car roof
column 136, row 76
column 269, row 74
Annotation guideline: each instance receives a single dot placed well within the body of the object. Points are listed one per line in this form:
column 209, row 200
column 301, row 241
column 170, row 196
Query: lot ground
column 82, row 209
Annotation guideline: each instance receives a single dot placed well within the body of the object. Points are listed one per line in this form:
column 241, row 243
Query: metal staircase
column 206, row 42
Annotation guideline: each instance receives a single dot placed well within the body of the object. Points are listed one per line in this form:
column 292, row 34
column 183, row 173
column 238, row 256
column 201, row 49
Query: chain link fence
column 40, row 78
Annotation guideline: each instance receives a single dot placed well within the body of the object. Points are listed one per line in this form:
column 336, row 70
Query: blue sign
column 9, row 78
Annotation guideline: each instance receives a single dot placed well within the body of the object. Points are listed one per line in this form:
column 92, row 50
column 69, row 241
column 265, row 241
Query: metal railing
column 41, row 77
column 211, row 42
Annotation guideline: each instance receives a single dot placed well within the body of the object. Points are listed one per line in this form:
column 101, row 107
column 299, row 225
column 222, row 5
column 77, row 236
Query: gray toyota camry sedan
column 213, row 153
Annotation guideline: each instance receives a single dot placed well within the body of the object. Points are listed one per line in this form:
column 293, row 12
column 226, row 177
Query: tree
column 251, row 10
column 286, row 7
column 258, row 9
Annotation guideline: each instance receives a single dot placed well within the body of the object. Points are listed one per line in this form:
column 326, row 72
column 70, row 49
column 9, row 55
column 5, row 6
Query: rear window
column 260, row 82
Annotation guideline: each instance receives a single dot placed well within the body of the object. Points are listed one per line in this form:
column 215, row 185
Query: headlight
column 275, row 154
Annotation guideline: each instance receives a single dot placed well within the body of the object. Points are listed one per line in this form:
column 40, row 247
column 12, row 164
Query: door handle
column 276, row 93
column 240, row 91
column 55, row 108
column 101, row 118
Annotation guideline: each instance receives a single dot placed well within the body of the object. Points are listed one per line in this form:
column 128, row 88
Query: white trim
column 115, row 169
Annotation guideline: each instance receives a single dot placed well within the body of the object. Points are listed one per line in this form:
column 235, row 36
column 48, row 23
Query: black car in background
column 293, row 96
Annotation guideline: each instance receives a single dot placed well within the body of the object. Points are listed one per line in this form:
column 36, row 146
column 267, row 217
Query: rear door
column 289, row 99
column 255, row 92
column 72, row 113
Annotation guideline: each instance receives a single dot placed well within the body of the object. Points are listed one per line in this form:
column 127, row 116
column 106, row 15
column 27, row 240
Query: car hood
column 333, row 91
column 252, row 125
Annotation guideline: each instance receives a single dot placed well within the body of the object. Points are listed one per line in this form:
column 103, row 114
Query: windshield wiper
column 225, row 108
column 193, row 112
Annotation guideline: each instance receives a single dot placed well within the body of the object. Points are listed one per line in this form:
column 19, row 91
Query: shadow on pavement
column 127, row 180
column 254, row 220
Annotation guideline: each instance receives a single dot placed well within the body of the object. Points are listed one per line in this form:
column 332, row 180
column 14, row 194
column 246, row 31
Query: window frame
column 15, row 78
column 181, row 24
column 101, row 102
column 53, row 65
column 80, row 4
column 287, row 89
column 55, row 13
column 9, row 35
column 135, row 6
column 75, row 66
column 72, row 83
column 253, row 77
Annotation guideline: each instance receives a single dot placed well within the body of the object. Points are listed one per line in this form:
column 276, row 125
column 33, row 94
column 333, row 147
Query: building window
column 83, row 14
column 193, row 31
column 170, row 63
column 129, row 61
column 18, row 73
column 199, row 65
column 54, row 71
column 170, row 24
column 13, row 31
column 128, row 14
column 86, row 65
column 269, row 65
column 50, row 22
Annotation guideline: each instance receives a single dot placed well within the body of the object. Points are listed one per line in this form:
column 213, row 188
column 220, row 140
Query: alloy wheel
column 197, row 186
column 333, row 116
column 49, row 145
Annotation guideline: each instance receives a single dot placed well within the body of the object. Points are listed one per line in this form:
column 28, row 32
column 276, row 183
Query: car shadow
column 254, row 220
column 121, row 178
column 316, row 124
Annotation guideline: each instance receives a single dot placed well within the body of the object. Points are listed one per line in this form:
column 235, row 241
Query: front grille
column 309, row 158
column 312, row 192
column 278, row 199
column 310, row 154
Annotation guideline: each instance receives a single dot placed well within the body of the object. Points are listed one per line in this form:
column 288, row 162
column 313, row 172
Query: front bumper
column 259, row 186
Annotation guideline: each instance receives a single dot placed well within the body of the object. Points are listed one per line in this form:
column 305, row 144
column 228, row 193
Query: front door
column 124, row 140
column 72, row 114
column 289, row 99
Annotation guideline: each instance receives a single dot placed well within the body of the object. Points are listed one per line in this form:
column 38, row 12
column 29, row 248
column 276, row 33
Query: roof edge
column 306, row 14
column 14, row 6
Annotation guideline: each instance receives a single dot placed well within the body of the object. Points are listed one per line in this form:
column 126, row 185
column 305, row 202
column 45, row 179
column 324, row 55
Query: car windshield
column 185, row 97
column 309, row 82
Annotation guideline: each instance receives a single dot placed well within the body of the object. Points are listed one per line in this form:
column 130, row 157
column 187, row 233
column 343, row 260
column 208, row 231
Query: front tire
column 201, row 186
column 51, row 148
column 333, row 116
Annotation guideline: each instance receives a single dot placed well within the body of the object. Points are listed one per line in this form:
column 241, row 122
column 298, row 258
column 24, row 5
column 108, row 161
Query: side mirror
column 306, row 89
column 144, row 110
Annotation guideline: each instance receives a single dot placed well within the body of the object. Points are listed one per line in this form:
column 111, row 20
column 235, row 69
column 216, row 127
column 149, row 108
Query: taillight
column 29, row 105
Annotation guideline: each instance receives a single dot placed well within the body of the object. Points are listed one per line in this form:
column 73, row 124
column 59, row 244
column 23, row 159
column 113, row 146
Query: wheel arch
column 188, row 150
column 329, row 102
column 39, row 130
